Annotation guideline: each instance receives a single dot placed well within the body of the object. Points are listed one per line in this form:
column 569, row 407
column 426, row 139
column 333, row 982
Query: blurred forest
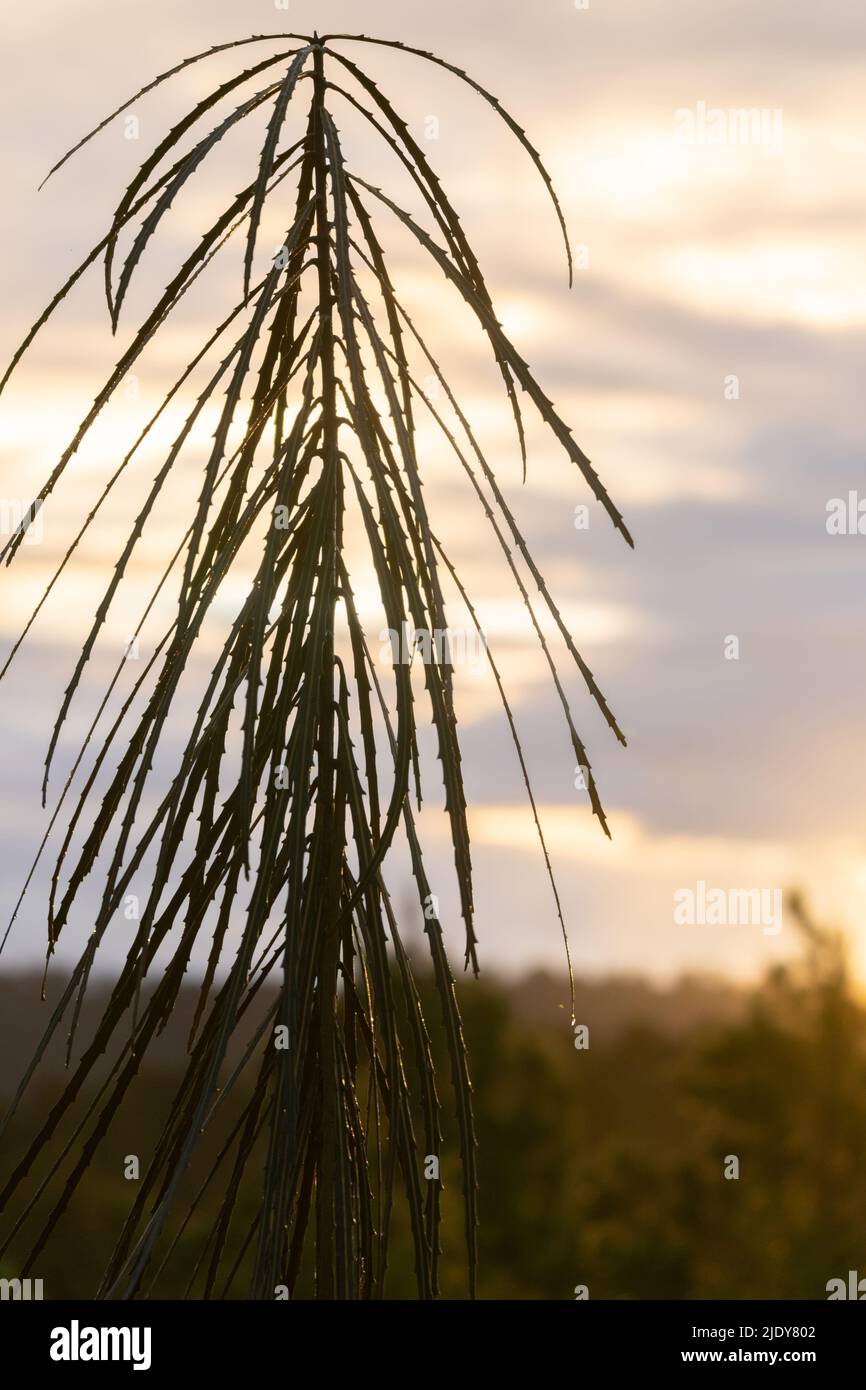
column 602, row 1167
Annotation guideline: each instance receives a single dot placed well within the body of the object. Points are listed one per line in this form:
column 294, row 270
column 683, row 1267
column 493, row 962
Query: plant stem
column 329, row 832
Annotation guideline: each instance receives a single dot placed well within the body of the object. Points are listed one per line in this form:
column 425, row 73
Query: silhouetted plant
column 280, row 781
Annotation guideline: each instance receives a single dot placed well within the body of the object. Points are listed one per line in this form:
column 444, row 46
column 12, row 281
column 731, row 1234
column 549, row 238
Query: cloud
column 704, row 264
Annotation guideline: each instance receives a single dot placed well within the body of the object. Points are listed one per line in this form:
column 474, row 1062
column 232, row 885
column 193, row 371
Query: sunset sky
column 697, row 263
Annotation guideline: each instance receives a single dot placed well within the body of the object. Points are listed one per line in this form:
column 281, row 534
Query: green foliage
column 602, row 1167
